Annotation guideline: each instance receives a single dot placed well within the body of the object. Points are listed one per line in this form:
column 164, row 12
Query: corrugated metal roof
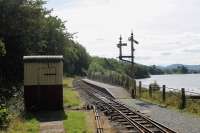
column 43, row 58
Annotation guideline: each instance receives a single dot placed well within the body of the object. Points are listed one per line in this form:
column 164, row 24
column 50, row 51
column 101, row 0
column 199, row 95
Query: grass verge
column 173, row 100
column 70, row 96
column 76, row 122
column 26, row 124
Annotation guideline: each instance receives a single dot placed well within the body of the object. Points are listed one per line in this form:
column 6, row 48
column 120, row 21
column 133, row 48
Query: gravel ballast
column 180, row 122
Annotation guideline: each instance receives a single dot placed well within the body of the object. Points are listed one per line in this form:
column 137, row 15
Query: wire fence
column 181, row 98
column 188, row 92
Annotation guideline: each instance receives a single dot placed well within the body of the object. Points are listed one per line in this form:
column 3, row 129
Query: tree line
column 27, row 28
column 156, row 70
column 104, row 65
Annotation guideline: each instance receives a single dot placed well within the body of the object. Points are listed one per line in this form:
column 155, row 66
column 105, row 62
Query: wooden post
column 163, row 93
column 133, row 93
column 133, row 89
column 120, row 80
column 117, row 79
column 124, row 83
column 127, row 83
column 183, row 99
column 110, row 78
column 110, row 81
column 150, row 91
column 114, row 79
column 140, row 88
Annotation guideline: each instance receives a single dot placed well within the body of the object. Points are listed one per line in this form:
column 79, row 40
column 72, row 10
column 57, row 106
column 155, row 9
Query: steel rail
column 124, row 116
column 144, row 129
column 112, row 103
column 158, row 125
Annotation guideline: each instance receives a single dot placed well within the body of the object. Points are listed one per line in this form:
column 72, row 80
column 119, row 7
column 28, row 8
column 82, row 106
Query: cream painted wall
column 43, row 73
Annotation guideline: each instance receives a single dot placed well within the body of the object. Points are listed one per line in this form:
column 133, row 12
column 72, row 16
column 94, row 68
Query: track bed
column 131, row 121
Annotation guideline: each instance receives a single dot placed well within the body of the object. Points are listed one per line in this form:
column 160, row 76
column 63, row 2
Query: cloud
column 99, row 39
column 192, row 50
column 87, row 3
column 143, row 57
column 169, row 27
column 166, row 53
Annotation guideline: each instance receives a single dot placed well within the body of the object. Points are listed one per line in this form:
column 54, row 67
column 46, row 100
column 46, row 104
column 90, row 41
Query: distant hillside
column 173, row 66
column 191, row 68
column 104, row 65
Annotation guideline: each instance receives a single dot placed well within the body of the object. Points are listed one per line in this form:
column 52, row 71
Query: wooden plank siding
column 43, row 73
column 43, row 83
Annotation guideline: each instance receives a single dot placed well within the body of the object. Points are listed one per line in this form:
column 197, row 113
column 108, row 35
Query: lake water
column 191, row 82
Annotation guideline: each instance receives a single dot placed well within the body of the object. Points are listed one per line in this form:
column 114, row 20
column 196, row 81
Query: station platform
column 116, row 91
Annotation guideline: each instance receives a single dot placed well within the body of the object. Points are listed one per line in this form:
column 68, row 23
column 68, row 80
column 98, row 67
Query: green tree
column 104, row 65
column 21, row 28
column 27, row 28
column 141, row 71
column 2, row 48
column 154, row 70
column 181, row 69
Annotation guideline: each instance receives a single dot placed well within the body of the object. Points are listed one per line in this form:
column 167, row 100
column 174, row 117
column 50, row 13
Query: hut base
column 43, row 97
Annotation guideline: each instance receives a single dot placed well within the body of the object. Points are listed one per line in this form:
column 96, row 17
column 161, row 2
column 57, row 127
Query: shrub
column 3, row 115
column 155, row 86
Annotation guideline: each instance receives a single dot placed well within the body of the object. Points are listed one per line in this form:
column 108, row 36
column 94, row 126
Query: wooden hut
column 43, row 82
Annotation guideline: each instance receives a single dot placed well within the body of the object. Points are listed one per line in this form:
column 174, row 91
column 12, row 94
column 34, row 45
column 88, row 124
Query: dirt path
column 107, row 126
column 51, row 121
column 52, row 127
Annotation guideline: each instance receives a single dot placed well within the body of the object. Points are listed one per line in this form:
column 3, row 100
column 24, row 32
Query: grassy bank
column 193, row 106
column 18, row 120
column 173, row 100
column 25, row 124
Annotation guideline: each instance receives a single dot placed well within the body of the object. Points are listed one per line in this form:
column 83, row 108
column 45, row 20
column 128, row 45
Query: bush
column 155, row 86
column 3, row 115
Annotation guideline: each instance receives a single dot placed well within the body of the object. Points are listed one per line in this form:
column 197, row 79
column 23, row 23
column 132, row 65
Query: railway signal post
column 129, row 58
column 119, row 45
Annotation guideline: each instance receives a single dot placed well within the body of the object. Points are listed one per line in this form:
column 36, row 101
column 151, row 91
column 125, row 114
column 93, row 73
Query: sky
column 168, row 31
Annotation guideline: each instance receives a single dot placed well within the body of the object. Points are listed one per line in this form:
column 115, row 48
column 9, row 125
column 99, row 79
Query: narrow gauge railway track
column 134, row 121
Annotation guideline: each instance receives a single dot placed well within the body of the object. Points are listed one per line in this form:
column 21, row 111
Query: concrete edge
column 106, row 89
